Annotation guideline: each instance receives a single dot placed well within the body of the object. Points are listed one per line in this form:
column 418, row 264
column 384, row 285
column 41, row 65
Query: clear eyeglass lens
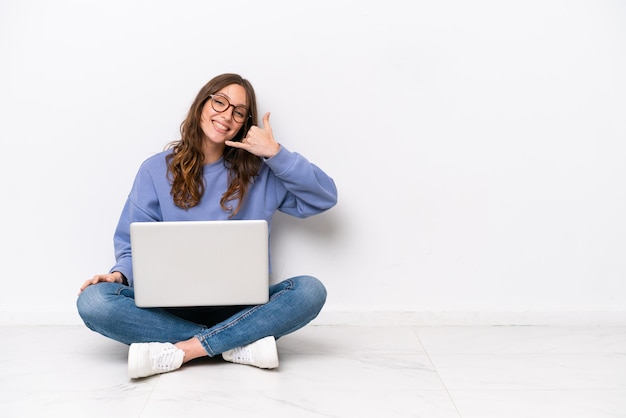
column 239, row 114
column 219, row 103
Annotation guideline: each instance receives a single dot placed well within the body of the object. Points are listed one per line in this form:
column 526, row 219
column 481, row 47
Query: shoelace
column 242, row 354
column 165, row 360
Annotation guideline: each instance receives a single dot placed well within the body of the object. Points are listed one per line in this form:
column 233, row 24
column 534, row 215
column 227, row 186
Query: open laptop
column 200, row 263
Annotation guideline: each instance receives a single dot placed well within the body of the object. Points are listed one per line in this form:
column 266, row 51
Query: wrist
column 119, row 277
column 277, row 149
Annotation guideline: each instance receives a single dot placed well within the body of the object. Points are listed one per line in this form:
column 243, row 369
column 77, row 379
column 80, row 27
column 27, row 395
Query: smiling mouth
column 220, row 127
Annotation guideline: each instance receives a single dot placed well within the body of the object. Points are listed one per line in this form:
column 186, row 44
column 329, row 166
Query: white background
column 478, row 146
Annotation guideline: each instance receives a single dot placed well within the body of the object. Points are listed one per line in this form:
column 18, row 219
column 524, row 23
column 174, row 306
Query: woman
column 224, row 166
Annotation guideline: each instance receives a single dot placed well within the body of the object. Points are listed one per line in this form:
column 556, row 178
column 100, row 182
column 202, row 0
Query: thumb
column 266, row 121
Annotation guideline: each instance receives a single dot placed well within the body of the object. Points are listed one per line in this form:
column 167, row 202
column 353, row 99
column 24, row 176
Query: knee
column 92, row 302
column 87, row 302
column 313, row 288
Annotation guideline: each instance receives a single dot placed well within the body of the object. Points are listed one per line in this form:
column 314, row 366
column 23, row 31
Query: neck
column 212, row 152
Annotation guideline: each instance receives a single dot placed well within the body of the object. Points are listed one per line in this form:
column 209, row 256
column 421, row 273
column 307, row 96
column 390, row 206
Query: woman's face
column 219, row 127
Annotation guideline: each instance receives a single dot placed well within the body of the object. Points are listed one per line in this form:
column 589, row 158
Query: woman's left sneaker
column 147, row 359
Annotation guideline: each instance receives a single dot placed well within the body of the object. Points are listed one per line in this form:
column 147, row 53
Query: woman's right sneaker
column 261, row 353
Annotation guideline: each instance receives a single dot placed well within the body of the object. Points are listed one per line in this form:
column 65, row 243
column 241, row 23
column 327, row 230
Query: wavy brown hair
column 185, row 163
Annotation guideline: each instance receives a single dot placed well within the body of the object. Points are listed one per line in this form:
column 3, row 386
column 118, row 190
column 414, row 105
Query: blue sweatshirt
column 286, row 182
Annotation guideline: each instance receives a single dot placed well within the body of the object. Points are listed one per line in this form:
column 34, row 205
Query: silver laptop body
column 200, row 263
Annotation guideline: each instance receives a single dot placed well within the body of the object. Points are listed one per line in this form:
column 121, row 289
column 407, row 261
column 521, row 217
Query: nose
column 228, row 112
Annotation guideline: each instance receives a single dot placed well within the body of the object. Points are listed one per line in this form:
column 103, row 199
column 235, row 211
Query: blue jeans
column 109, row 309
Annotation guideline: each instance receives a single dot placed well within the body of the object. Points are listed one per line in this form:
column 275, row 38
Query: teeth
column 220, row 126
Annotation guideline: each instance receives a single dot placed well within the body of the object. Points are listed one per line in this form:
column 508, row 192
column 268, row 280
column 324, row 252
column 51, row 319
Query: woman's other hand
column 115, row 277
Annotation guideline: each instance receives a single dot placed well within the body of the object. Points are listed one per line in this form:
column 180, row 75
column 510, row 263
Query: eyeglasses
column 221, row 104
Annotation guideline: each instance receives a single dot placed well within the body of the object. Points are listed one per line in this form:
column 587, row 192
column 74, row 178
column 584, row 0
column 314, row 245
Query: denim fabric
column 109, row 309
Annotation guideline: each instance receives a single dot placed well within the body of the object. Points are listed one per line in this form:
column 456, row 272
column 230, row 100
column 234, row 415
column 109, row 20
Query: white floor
column 330, row 371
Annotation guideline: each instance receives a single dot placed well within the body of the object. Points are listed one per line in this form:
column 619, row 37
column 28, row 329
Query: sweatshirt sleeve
column 143, row 191
column 308, row 189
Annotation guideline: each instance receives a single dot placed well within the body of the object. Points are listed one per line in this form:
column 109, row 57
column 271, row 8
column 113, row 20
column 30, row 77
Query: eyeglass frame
column 210, row 99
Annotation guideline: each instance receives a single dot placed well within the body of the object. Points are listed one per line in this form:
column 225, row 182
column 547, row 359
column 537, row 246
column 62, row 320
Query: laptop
column 200, row 263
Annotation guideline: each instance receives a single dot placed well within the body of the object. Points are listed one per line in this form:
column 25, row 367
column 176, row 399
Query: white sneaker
column 146, row 359
column 261, row 353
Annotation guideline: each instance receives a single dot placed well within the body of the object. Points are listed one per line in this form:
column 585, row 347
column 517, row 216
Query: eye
column 241, row 113
column 219, row 101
